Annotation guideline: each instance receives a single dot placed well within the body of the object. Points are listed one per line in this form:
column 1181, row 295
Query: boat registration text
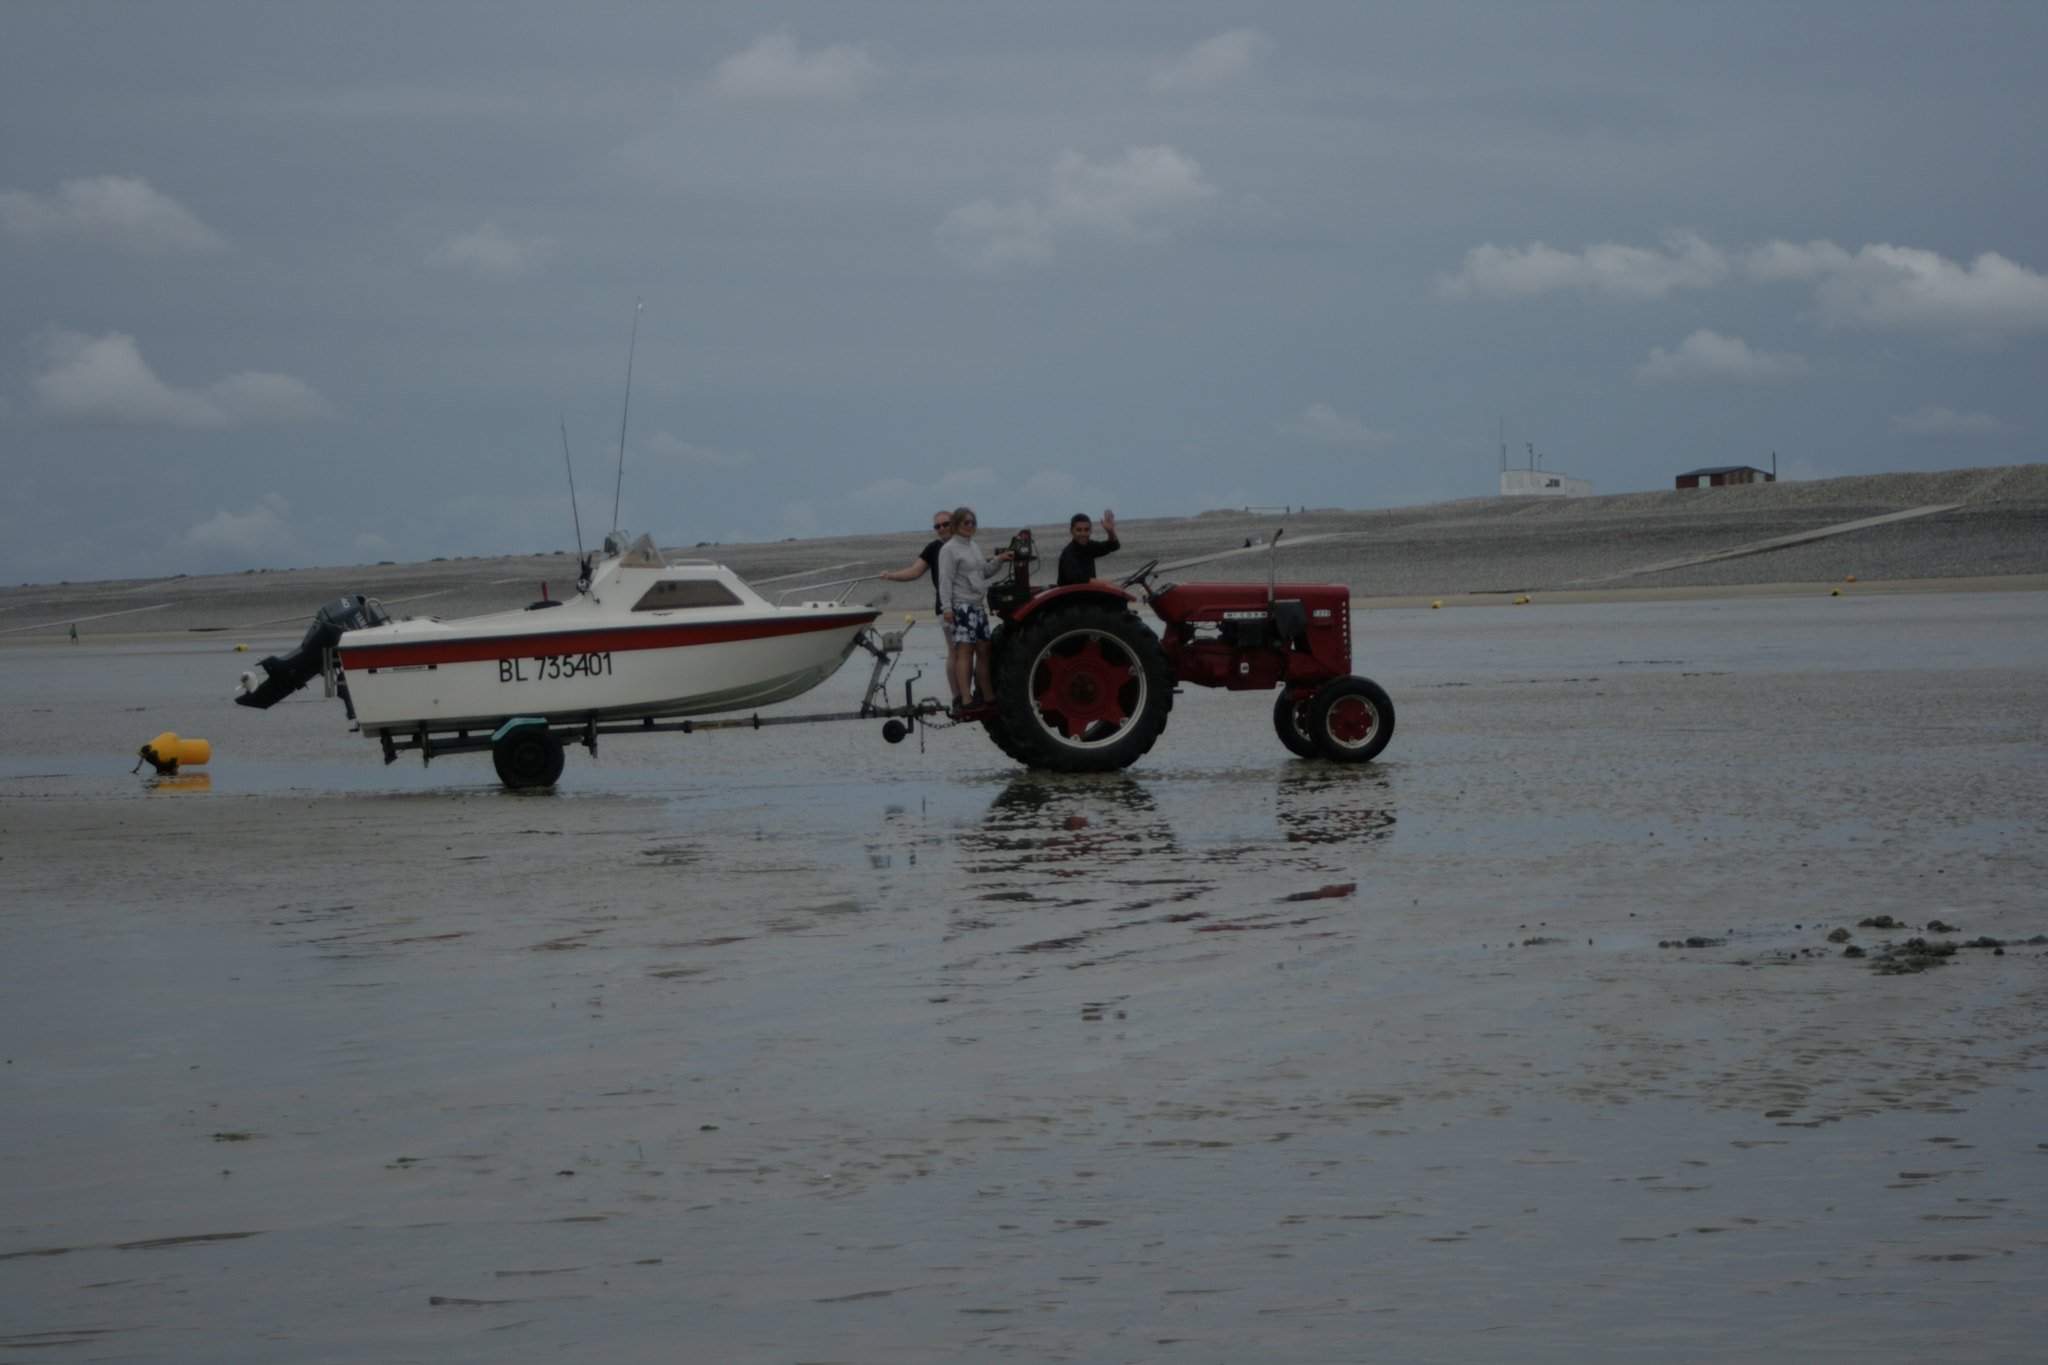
column 542, row 667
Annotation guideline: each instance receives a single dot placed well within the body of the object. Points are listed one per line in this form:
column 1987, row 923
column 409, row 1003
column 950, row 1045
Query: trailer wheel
column 529, row 756
column 1085, row 689
column 1351, row 719
column 1290, row 722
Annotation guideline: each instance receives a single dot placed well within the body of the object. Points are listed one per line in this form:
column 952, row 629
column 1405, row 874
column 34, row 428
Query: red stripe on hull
column 596, row 640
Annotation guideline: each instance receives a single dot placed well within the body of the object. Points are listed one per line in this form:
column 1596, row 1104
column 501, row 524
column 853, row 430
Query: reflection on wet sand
column 1091, row 866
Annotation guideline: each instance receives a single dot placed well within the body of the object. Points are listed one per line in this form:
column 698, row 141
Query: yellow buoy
column 167, row 751
column 1850, row 579
column 1834, row 592
column 1434, row 605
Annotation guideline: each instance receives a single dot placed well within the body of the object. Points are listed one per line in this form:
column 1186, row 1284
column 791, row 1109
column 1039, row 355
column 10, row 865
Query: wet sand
column 1529, row 1042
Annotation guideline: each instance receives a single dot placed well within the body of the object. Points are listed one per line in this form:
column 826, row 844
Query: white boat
column 643, row 639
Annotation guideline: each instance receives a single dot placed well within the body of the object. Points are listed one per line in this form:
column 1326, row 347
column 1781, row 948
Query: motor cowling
column 283, row 674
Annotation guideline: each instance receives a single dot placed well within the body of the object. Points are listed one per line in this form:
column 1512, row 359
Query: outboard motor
column 283, row 675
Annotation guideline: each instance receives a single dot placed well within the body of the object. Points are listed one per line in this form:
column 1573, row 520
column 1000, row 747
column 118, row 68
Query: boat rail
column 845, row 586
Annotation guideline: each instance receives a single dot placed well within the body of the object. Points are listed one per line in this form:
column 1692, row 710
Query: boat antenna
column 582, row 559
column 624, row 409
column 571, row 468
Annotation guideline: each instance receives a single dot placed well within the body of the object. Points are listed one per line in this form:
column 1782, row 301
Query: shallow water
column 792, row 1045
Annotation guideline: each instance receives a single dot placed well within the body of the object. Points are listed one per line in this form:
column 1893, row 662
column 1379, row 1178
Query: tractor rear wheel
column 1290, row 722
column 1082, row 690
column 1351, row 719
column 529, row 756
column 993, row 726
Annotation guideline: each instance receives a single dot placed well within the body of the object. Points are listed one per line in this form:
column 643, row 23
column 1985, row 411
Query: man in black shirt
column 927, row 561
column 1077, row 560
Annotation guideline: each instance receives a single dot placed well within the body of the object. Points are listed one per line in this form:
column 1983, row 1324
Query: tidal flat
column 1536, row 1040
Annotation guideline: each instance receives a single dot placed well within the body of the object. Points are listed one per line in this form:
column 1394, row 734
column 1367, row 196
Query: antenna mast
column 624, row 409
column 576, row 515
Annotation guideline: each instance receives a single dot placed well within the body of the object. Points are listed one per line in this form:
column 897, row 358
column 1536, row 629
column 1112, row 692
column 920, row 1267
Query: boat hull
column 440, row 678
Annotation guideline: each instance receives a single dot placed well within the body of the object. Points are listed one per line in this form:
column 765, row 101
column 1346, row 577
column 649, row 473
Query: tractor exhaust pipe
column 1273, row 567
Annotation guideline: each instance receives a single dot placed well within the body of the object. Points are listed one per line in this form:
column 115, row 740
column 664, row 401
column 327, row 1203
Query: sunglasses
column 969, row 521
column 941, row 525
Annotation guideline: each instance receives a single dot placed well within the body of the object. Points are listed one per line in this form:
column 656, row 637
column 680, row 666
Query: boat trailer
column 528, row 749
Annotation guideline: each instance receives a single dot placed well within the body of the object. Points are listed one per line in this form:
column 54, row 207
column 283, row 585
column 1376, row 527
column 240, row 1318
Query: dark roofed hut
column 1722, row 474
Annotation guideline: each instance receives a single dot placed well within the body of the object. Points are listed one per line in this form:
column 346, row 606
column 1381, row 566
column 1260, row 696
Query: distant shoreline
column 1968, row 530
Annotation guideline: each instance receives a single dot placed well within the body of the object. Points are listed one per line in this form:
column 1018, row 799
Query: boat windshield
column 643, row 555
column 672, row 593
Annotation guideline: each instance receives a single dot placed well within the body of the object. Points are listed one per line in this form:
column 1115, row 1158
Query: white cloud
column 1932, row 421
column 1618, row 272
column 1124, row 199
column 104, row 381
column 263, row 532
column 119, row 212
column 1222, row 60
column 775, row 70
column 1906, row 289
column 1707, row 355
column 1323, row 424
column 1892, row 288
column 666, row 446
column 1045, row 499
column 902, row 497
column 493, row 252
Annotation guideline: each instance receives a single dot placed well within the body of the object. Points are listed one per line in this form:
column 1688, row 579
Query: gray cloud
column 666, row 446
column 1890, row 288
column 1936, row 421
column 1223, row 60
column 1617, row 272
column 1130, row 199
column 1906, row 289
column 104, row 381
column 1709, row 356
column 776, row 70
column 492, row 252
column 117, row 212
column 263, row 534
column 1324, row 425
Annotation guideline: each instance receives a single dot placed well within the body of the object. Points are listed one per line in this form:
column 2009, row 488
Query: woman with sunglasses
column 964, row 577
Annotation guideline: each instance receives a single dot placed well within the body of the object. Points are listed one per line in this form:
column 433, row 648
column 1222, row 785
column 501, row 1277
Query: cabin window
column 672, row 593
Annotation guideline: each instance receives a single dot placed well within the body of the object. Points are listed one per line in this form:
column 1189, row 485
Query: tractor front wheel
column 1351, row 719
column 1083, row 690
column 1290, row 722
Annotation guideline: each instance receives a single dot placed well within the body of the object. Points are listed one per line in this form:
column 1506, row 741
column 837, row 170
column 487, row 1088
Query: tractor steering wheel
column 1137, row 579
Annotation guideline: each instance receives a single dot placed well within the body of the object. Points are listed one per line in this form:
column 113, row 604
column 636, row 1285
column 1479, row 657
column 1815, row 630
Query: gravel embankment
column 1477, row 545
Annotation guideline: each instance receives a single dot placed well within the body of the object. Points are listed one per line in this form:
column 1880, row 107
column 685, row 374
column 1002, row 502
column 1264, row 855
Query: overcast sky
column 289, row 284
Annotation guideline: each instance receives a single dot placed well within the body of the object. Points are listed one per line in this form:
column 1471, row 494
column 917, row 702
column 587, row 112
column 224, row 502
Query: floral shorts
column 970, row 623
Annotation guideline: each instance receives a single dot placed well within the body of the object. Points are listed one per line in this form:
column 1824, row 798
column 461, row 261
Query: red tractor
column 1084, row 685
